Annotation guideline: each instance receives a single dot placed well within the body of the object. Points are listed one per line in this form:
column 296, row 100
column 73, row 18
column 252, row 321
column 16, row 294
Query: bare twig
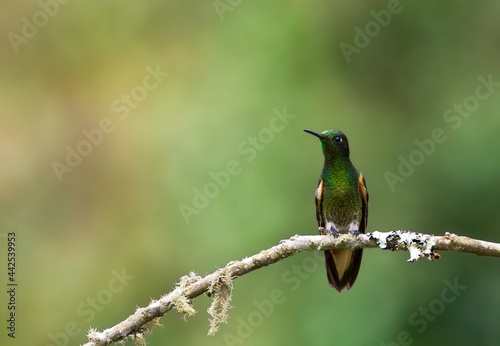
column 219, row 286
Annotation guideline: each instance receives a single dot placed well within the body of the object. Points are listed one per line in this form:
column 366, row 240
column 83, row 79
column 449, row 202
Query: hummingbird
column 341, row 206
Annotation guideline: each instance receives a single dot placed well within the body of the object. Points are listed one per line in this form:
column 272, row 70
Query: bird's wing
column 318, row 198
column 364, row 199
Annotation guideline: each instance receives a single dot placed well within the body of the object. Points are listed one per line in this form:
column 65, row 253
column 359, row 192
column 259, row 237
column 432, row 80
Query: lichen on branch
column 219, row 286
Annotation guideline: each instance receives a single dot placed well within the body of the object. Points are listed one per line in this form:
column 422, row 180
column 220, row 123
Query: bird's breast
column 342, row 208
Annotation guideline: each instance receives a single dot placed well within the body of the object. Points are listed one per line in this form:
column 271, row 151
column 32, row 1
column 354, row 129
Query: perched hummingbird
column 341, row 206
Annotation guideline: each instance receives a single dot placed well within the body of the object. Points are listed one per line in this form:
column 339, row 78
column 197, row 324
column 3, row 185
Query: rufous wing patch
column 364, row 197
column 319, row 190
column 362, row 188
column 319, row 204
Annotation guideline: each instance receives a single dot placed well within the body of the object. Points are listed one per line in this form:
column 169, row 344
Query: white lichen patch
column 418, row 244
column 143, row 311
column 187, row 280
column 94, row 335
column 381, row 238
column 415, row 253
column 247, row 262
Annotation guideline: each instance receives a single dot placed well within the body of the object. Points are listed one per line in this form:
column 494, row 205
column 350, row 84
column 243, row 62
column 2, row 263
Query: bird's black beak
column 314, row 133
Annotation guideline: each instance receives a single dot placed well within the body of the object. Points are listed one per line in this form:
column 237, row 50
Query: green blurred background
column 230, row 68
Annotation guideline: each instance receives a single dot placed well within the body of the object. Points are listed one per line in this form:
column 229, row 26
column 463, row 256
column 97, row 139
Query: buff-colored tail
column 342, row 267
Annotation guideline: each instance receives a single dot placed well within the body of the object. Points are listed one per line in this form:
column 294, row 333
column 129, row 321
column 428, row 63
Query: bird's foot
column 356, row 233
column 328, row 232
column 322, row 231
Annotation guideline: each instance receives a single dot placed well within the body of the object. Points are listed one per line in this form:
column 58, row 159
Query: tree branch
column 218, row 285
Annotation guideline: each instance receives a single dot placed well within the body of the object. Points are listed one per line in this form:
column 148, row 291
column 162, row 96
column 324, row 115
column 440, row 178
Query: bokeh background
column 231, row 66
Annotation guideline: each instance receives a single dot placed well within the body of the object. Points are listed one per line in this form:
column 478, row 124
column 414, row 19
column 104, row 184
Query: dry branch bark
column 191, row 286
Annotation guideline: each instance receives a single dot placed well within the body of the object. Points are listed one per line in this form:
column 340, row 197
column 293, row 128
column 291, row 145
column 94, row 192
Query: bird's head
column 333, row 142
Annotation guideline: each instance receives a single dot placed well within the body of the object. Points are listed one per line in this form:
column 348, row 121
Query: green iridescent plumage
column 341, row 206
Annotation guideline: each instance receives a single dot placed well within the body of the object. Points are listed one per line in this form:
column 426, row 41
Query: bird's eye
column 337, row 139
